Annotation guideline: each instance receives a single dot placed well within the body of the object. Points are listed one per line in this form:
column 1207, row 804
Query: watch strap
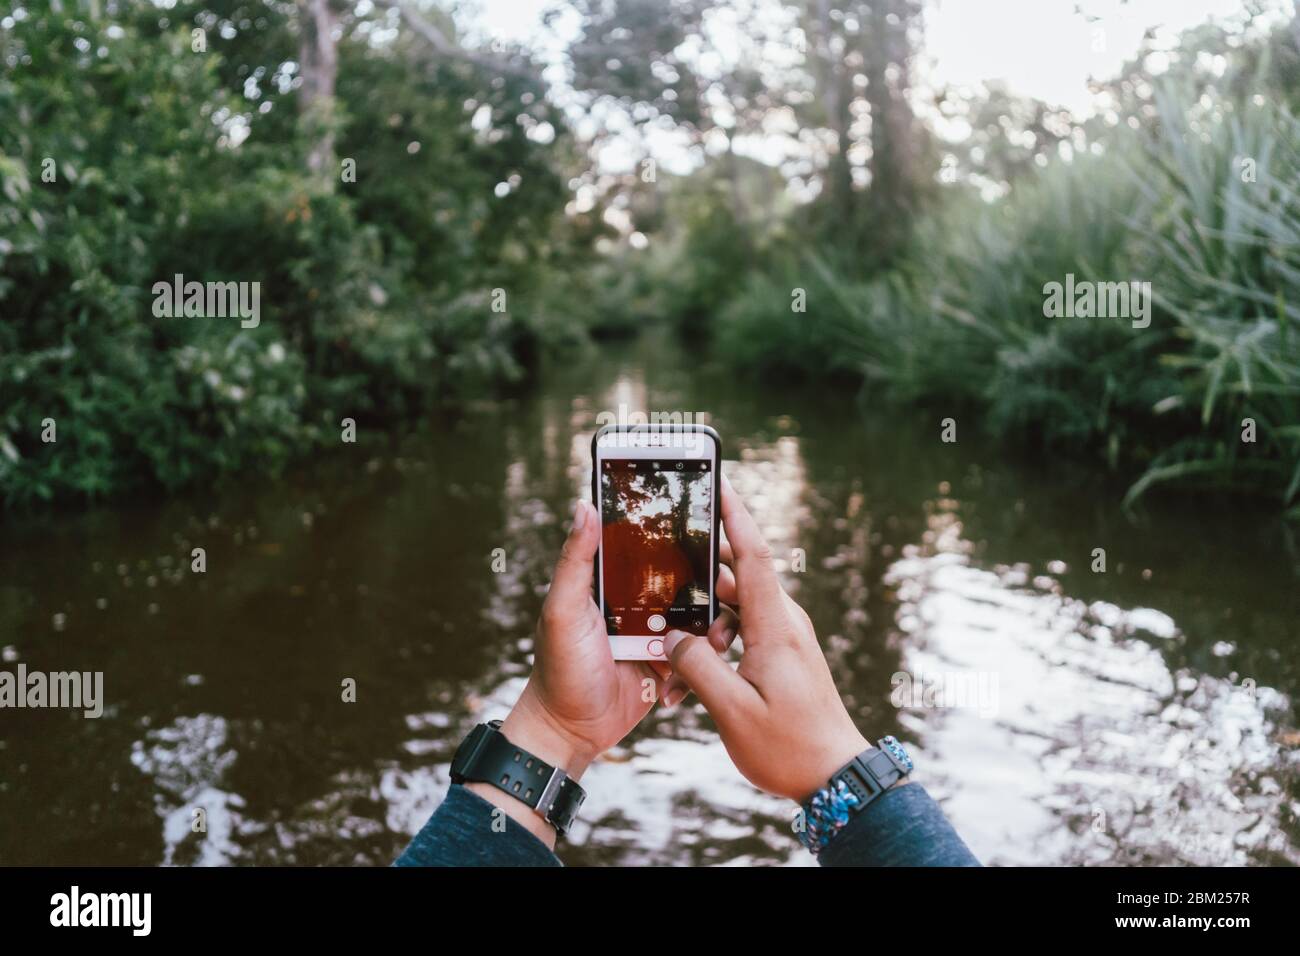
column 487, row 756
column 850, row 790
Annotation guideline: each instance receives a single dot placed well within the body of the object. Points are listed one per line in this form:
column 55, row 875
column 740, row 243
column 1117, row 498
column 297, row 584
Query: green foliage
column 725, row 228
column 1227, row 237
column 962, row 320
column 375, row 293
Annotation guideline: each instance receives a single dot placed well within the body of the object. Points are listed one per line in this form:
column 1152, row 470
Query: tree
column 709, row 71
column 859, row 56
column 718, row 72
column 318, row 59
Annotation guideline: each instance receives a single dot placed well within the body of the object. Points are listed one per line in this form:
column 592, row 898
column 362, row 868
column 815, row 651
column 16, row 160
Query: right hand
column 779, row 713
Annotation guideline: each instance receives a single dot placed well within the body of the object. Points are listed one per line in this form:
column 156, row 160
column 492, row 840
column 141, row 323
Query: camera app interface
column 657, row 522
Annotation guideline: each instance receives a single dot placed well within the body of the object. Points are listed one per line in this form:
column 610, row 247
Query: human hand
column 779, row 713
column 579, row 701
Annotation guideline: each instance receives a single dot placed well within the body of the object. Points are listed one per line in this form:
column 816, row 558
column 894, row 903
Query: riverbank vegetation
column 1190, row 182
column 398, row 257
column 426, row 218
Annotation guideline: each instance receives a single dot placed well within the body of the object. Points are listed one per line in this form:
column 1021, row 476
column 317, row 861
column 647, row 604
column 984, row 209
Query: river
column 1063, row 715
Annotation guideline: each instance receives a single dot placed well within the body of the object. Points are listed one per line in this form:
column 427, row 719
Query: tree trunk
column 739, row 209
column 892, row 195
column 832, row 74
column 318, row 60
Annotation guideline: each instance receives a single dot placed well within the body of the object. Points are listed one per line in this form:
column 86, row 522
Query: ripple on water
column 1090, row 728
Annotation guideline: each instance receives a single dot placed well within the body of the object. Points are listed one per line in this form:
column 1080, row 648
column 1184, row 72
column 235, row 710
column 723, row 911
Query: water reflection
column 1135, row 717
column 1096, row 752
column 188, row 761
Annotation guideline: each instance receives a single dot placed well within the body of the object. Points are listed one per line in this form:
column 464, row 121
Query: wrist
column 529, row 725
column 828, row 761
column 529, row 728
column 850, row 790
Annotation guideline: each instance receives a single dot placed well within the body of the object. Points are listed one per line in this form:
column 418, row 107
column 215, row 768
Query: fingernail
column 722, row 640
column 674, row 697
column 671, row 640
column 579, row 515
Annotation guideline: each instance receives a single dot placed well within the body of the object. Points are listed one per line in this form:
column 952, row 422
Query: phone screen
column 656, row 545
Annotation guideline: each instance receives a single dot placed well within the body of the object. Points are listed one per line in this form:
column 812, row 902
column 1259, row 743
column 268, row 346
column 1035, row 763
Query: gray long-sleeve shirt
column 901, row 827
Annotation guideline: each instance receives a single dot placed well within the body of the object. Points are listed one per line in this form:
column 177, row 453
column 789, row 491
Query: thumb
column 723, row 692
column 571, row 583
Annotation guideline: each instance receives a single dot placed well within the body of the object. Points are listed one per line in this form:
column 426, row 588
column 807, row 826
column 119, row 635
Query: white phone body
column 668, row 497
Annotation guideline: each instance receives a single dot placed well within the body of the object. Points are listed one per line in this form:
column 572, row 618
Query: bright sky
column 1042, row 48
column 1048, row 49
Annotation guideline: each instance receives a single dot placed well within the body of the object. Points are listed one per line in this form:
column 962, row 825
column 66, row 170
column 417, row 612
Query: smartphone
column 656, row 488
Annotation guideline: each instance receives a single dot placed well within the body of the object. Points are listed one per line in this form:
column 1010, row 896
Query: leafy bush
column 1227, row 238
column 120, row 167
column 962, row 320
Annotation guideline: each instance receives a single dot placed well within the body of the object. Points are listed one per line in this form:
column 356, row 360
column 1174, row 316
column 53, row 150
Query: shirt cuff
column 901, row 827
column 465, row 831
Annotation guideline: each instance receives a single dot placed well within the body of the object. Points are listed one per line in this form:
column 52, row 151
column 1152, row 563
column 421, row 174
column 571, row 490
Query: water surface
column 1141, row 715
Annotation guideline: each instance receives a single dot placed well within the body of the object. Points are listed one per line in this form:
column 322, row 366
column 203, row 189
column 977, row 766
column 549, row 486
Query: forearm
column 528, row 728
column 466, row 830
column 482, row 825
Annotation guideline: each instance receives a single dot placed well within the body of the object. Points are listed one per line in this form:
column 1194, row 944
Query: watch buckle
column 550, row 791
column 862, row 781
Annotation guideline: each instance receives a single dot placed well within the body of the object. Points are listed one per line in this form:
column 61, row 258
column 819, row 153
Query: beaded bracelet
column 826, row 814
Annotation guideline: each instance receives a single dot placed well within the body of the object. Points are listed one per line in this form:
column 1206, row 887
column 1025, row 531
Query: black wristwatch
column 486, row 756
